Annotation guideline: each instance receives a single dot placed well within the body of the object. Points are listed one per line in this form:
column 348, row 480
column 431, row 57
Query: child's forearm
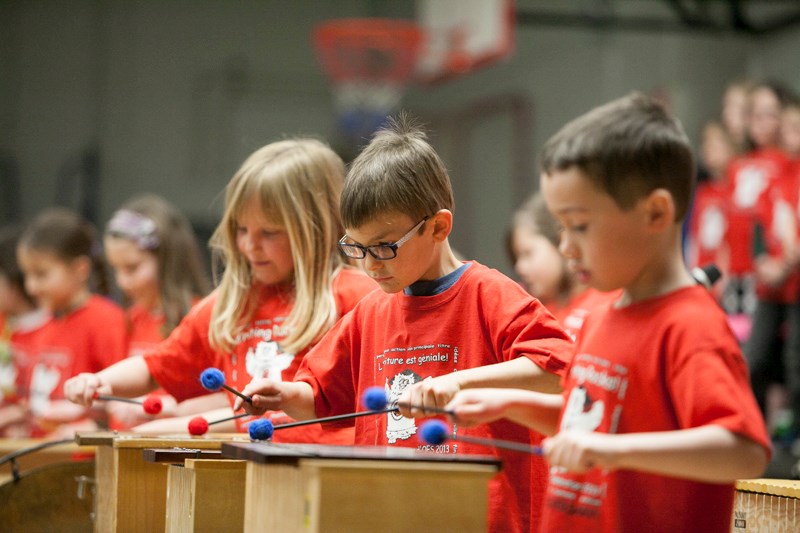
column 536, row 410
column 128, row 378
column 519, row 373
column 299, row 401
column 709, row 454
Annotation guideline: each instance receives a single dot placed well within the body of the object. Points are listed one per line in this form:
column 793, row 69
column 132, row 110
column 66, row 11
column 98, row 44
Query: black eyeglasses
column 381, row 251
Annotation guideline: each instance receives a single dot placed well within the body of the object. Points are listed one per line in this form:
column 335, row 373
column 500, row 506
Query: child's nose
column 370, row 263
column 567, row 247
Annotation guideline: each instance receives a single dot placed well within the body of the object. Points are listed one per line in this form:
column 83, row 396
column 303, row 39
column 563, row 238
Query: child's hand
column 431, row 392
column 478, row 406
column 266, row 395
column 83, row 388
column 772, row 271
column 580, row 451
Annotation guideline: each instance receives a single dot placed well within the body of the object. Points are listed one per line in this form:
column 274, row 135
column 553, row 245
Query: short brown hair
column 397, row 171
column 628, row 148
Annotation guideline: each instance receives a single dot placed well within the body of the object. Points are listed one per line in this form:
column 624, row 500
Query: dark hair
column 9, row 237
column 67, row 235
column 627, row 148
column 397, row 171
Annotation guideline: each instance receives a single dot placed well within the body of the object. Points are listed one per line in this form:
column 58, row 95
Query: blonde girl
column 283, row 284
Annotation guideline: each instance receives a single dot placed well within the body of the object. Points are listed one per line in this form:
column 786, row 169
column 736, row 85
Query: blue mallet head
column 212, row 379
column 261, row 429
column 433, row 432
column 374, row 399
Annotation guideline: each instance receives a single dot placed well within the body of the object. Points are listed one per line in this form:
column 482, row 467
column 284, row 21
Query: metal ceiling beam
column 692, row 16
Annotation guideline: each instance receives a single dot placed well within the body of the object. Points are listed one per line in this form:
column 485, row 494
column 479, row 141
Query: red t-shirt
column 87, row 339
column 177, row 363
column 572, row 315
column 395, row 340
column 748, row 177
column 664, row 364
column 144, row 330
column 708, row 226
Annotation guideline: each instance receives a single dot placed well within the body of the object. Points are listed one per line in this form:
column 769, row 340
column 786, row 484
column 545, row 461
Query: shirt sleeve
column 331, row 369
column 528, row 329
column 707, row 383
column 177, row 362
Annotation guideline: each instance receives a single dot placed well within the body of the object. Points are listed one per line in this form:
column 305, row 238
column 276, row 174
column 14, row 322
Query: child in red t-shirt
column 283, row 285
column 21, row 321
column 58, row 253
column 158, row 266
column 708, row 219
column 533, row 246
column 657, row 420
column 774, row 344
column 748, row 177
column 437, row 325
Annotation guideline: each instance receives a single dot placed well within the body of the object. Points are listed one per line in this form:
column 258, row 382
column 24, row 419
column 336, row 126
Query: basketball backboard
column 463, row 35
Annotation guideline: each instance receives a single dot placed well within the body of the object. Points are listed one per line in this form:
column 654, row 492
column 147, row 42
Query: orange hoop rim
column 368, row 49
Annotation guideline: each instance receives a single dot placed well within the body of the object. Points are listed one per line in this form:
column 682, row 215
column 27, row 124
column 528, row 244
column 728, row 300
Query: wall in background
column 173, row 95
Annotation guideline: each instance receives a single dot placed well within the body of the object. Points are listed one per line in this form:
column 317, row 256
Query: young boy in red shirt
column 657, row 419
column 438, row 325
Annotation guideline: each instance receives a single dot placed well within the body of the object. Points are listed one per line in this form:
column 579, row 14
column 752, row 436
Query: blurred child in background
column 62, row 263
column 733, row 114
column 20, row 321
column 790, row 129
column 749, row 175
column 708, row 222
column 157, row 263
column 533, row 247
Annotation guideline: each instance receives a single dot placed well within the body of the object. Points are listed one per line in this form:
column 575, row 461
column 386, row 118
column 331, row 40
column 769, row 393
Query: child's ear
column 442, row 223
column 83, row 266
column 660, row 208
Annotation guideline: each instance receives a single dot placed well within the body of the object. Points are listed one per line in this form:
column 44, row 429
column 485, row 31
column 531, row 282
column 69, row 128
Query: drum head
column 46, row 499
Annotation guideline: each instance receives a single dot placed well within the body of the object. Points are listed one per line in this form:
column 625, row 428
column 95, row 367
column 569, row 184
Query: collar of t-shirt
column 436, row 286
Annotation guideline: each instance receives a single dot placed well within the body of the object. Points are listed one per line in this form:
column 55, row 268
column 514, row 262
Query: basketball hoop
column 369, row 63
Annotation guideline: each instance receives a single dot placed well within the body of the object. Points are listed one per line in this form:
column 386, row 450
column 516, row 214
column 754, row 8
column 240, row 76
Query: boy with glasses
column 438, row 325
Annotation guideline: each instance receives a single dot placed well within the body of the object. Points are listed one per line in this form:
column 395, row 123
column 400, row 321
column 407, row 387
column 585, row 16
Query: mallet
column 213, row 380
column 437, row 432
column 373, row 399
column 151, row 405
column 199, row 425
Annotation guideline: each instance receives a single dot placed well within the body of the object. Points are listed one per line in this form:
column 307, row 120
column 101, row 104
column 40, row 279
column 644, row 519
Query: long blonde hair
column 298, row 183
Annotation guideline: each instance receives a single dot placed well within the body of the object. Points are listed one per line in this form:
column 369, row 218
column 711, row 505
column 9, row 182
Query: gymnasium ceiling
column 748, row 17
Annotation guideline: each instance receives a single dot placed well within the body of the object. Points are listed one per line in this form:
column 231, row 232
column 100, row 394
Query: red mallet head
column 198, row 426
column 152, row 405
